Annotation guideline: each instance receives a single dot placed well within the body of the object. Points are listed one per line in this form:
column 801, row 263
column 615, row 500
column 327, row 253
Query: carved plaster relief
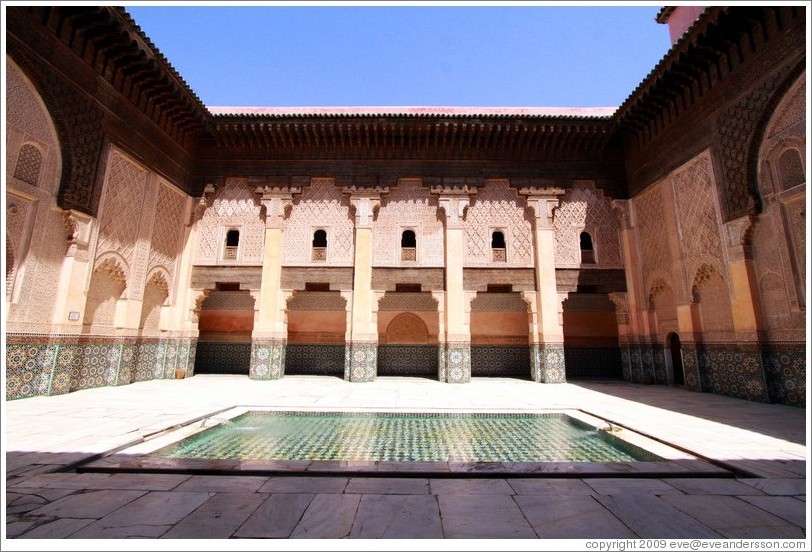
column 497, row 207
column 320, row 206
column 167, row 230
column 118, row 223
column 408, row 206
column 697, row 216
column 584, row 209
column 652, row 234
column 233, row 207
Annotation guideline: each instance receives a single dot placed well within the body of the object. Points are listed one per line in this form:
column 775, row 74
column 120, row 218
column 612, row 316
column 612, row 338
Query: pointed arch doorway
column 675, row 358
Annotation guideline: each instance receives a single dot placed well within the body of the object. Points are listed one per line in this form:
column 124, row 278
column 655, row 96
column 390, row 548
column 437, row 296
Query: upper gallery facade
column 149, row 236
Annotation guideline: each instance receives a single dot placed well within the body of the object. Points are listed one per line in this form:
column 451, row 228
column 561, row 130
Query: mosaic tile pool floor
column 431, row 437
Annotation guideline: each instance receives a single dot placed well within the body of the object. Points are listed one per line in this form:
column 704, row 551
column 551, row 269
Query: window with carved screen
column 232, row 245
column 498, row 248
column 319, row 245
column 587, row 249
column 408, row 246
column 29, row 164
column 790, row 169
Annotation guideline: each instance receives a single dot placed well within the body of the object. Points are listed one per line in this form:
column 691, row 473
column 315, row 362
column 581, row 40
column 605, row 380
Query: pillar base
column 267, row 359
column 456, row 362
column 360, row 361
column 552, row 366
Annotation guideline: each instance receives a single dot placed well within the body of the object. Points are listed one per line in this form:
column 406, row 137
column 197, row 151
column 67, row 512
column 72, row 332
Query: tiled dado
column 766, row 372
column 512, row 361
column 52, row 365
column 593, row 362
column 407, row 360
column 267, row 359
column 732, row 369
column 457, row 361
column 553, row 363
column 360, row 361
column 785, row 372
column 314, row 359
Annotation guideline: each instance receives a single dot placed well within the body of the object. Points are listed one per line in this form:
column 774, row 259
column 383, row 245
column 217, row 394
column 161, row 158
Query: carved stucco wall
column 137, row 238
column 320, row 206
column 408, row 206
column 36, row 232
column 497, row 206
column 235, row 206
column 652, row 237
column 663, row 302
column 167, row 233
column 107, row 285
column 779, row 237
column 124, row 188
column 712, row 295
column 698, row 218
column 583, row 209
column 155, row 294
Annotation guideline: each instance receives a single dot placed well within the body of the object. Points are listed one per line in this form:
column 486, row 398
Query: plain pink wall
column 681, row 18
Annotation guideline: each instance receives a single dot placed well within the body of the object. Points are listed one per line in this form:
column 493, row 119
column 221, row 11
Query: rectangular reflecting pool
column 290, row 441
column 426, row 437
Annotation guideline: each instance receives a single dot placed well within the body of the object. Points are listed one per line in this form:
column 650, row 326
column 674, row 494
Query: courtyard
column 759, row 491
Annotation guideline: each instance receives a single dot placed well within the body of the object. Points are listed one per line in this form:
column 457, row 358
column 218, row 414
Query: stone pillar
column 69, row 308
column 269, row 337
column 531, row 300
column 361, row 353
column 746, row 300
column 630, row 343
column 439, row 296
column 455, row 345
column 173, row 317
column 550, row 341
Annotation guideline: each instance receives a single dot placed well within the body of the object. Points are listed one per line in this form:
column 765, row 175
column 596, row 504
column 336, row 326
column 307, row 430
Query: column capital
column 454, row 200
column 78, row 226
column 203, row 202
column 618, row 299
column 542, row 201
column 739, row 233
column 623, row 208
column 276, row 199
column 365, row 201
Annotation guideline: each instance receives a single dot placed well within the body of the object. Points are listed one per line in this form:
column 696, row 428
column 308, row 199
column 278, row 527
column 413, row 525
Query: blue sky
column 429, row 55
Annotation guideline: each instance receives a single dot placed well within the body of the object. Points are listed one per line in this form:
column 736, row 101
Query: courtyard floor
column 763, row 445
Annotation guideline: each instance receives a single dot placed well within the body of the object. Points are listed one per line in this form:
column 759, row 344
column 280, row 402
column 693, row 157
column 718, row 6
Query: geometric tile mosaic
column 432, row 437
column 593, row 362
column 56, row 364
column 510, row 361
column 407, row 360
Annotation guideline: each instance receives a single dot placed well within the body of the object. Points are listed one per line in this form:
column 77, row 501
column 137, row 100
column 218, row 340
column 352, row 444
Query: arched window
column 790, row 169
column 320, row 245
column 587, row 251
column 498, row 249
column 232, row 244
column 29, row 163
column 408, row 246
